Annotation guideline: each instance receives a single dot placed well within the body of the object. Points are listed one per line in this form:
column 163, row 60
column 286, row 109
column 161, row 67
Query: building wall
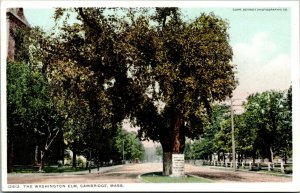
column 15, row 19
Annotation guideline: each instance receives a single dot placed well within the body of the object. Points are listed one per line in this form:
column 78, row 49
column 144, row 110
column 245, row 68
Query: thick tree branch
column 48, row 145
column 87, row 20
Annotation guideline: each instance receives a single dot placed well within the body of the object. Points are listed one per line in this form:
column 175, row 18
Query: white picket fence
column 267, row 166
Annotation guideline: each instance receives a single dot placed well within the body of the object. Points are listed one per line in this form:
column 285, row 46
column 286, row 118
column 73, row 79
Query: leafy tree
column 216, row 137
column 284, row 141
column 268, row 116
column 244, row 137
column 29, row 108
column 188, row 151
column 164, row 71
column 218, row 133
column 79, row 93
column 17, row 85
column 159, row 150
column 201, row 149
column 190, row 68
column 133, row 148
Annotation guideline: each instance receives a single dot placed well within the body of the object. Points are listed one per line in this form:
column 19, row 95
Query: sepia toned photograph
column 150, row 96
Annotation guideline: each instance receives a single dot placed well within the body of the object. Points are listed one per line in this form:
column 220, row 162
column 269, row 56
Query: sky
column 260, row 38
column 261, row 42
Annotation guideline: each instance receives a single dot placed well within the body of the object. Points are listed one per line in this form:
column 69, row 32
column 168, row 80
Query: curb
column 200, row 177
column 146, row 181
column 143, row 180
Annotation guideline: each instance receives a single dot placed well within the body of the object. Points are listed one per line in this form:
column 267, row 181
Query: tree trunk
column 74, row 158
column 271, row 155
column 41, row 169
column 285, row 156
column 10, row 157
column 42, row 165
column 254, row 156
column 167, row 163
column 98, row 160
column 36, row 156
column 178, row 138
column 176, row 146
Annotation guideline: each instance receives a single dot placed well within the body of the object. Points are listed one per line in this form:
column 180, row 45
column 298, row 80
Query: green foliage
column 81, row 65
column 26, row 92
column 159, row 150
column 189, row 69
column 30, row 110
column 22, row 43
column 157, row 66
column 265, row 126
column 133, row 148
column 268, row 115
column 148, row 65
column 216, row 136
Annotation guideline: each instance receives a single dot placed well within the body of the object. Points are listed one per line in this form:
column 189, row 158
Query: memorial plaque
column 177, row 165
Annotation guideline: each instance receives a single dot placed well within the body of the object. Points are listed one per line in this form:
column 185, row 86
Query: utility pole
column 232, row 137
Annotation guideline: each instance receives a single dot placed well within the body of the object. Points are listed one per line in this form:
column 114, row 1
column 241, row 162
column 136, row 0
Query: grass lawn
column 47, row 169
column 62, row 169
column 157, row 177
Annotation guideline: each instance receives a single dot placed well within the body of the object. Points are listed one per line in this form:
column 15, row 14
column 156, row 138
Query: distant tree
column 284, row 141
column 268, row 116
column 130, row 144
column 216, row 137
column 159, row 151
column 244, row 137
column 188, row 151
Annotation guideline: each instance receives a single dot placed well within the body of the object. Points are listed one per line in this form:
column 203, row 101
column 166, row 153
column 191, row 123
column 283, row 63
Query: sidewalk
column 226, row 175
column 249, row 171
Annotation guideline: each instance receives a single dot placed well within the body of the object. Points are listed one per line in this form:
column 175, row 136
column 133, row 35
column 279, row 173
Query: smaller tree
column 129, row 146
column 29, row 102
column 244, row 137
column 159, row 151
column 268, row 117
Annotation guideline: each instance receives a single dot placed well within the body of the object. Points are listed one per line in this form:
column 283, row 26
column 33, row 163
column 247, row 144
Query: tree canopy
column 146, row 64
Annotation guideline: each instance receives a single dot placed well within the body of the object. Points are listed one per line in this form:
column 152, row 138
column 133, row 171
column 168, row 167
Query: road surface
column 129, row 174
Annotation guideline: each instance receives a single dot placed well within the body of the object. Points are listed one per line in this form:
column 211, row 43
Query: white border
column 270, row 187
column 139, row 3
column 295, row 68
column 3, row 96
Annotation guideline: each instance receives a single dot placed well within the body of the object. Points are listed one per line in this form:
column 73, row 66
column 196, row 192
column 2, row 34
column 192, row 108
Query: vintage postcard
column 150, row 96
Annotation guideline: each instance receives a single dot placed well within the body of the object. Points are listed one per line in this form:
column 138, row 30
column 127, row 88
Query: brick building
column 15, row 20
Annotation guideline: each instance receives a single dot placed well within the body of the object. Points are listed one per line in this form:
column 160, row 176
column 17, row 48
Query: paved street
column 130, row 173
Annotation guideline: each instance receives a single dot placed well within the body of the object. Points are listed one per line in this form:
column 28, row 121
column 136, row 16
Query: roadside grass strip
column 47, row 169
column 157, row 177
